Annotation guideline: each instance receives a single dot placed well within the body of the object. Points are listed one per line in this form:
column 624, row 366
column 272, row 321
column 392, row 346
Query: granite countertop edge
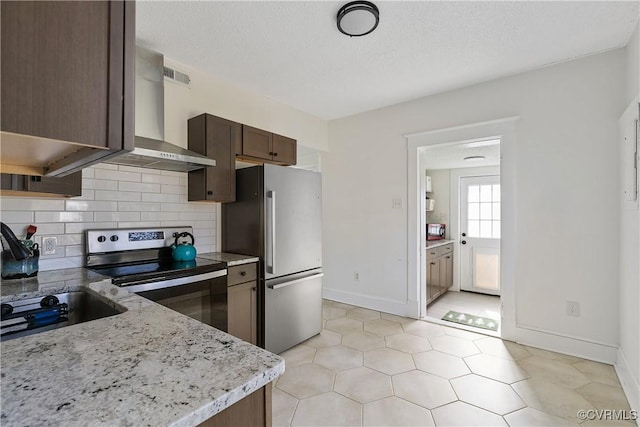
column 228, row 369
column 230, row 259
column 436, row 243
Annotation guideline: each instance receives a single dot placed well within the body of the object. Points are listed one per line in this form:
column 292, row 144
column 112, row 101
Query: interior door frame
column 505, row 129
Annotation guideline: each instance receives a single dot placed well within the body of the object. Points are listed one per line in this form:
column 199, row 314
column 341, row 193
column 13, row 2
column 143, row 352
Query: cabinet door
column 256, row 143
column 433, row 278
column 67, row 75
column 447, row 278
column 284, row 150
column 242, row 320
column 215, row 138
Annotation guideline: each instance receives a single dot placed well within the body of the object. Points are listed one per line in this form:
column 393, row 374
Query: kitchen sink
column 35, row 315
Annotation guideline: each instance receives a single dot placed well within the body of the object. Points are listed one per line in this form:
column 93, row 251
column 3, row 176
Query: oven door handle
column 162, row 284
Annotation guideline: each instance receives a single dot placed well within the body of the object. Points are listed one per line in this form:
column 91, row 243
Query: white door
column 480, row 234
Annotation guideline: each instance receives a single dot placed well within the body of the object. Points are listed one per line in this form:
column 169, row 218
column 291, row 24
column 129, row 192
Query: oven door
column 202, row 297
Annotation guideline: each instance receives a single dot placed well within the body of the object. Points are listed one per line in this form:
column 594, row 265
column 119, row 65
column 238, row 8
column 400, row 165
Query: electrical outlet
column 49, row 245
column 356, row 276
column 573, row 308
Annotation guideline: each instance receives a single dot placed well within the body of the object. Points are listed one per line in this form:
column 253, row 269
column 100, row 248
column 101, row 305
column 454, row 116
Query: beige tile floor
column 374, row 369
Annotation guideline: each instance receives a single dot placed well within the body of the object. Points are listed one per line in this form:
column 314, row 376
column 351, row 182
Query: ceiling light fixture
column 358, row 18
column 474, row 158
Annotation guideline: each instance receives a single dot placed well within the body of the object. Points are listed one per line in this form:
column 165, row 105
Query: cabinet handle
column 210, row 193
column 275, row 154
column 254, row 289
column 271, row 153
column 243, row 273
column 432, row 263
column 448, row 257
column 433, row 253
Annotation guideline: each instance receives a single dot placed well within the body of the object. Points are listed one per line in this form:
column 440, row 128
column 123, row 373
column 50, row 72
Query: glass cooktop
column 123, row 274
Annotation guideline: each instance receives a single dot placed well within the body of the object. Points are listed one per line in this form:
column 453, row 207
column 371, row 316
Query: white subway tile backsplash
column 138, row 224
column 49, row 228
column 173, row 189
column 117, row 175
column 138, row 207
column 117, row 195
column 112, row 197
column 16, row 216
column 160, row 216
column 74, row 250
column 89, row 205
column 98, row 184
column 24, row 204
column 117, row 216
column 159, row 197
column 141, row 187
column 138, row 170
column 81, row 227
column 64, row 216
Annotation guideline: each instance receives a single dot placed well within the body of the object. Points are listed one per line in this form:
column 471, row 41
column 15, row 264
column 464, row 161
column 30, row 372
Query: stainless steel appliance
column 140, row 260
column 277, row 216
column 436, row 231
column 151, row 151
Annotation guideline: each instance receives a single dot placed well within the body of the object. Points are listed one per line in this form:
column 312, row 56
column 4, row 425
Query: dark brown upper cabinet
column 67, row 84
column 41, row 186
column 260, row 145
column 216, row 138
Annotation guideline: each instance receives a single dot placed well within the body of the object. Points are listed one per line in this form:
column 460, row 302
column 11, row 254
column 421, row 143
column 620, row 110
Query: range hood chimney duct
column 151, row 150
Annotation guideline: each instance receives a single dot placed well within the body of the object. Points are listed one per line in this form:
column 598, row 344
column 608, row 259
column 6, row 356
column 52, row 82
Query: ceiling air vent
column 176, row 76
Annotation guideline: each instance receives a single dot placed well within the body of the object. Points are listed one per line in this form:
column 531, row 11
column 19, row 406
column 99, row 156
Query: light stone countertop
column 230, row 259
column 147, row 366
column 435, row 243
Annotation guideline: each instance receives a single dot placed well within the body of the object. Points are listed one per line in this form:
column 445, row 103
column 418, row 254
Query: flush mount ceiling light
column 358, row 18
column 474, row 158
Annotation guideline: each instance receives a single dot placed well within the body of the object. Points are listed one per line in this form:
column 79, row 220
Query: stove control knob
column 114, row 238
column 101, row 239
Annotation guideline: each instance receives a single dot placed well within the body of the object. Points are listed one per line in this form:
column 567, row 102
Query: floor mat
column 471, row 320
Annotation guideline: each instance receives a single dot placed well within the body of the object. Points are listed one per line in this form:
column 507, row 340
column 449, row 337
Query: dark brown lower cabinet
column 242, row 302
column 253, row 410
column 439, row 271
column 25, row 185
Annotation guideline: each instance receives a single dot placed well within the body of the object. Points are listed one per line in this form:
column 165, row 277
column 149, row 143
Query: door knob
column 464, row 242
column 464, row 234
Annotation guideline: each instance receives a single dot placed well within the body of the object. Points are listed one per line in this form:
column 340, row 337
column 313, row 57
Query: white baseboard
column 547, row 340
column 629, row 383
column 399, row 308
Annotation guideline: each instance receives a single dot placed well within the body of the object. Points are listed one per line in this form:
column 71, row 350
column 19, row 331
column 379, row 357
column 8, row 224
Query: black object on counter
column 18, row 250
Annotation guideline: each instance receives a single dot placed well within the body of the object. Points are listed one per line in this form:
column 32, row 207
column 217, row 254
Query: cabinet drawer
column 241, row 274
column 439, row 251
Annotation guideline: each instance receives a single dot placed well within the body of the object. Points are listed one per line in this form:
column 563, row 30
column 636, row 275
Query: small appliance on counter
column 21, row 259
column 436, row 231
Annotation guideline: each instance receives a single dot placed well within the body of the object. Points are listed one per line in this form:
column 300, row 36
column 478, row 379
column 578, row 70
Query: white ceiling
column 451, row 156
column 292, row 51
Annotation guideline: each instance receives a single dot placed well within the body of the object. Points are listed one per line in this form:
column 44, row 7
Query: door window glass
column 484, row 211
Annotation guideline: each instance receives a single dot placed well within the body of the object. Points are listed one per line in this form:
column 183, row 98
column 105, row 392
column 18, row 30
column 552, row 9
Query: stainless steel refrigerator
column 277, row 216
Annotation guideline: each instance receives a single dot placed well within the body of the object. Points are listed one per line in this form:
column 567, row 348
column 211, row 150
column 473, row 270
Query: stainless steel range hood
column 151, row 150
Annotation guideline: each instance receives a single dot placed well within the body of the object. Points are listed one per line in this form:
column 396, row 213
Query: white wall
column 209, row 94
column 564, row 157
column 112, row 197
column 628, row 363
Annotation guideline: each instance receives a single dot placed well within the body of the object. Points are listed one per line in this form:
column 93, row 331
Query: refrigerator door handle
column 293, row 282
column 271, row 233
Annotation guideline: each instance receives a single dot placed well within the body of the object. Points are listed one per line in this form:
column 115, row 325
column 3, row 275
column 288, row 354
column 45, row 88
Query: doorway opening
column 462, row 222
